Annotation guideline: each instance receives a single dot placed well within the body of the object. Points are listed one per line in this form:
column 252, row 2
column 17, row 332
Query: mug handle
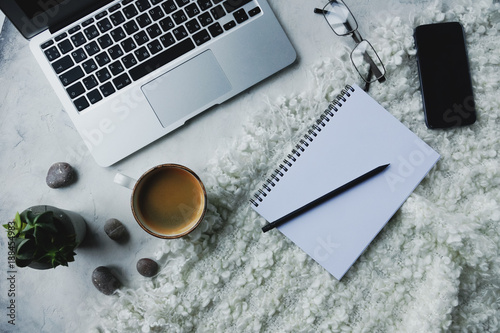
column 125, row 181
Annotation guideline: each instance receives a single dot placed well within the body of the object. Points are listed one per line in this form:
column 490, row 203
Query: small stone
column 105, row 281
column 115, row 229
column 60, row 174
column 147, row 267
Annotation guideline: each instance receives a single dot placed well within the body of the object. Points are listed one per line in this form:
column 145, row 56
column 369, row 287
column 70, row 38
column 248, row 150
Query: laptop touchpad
column 185, row 89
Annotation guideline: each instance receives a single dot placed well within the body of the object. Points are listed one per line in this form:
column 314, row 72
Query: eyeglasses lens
column 340, row 18
column 367, row 62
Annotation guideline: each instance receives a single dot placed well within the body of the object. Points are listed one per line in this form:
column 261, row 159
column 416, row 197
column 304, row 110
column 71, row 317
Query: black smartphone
column 445, row 79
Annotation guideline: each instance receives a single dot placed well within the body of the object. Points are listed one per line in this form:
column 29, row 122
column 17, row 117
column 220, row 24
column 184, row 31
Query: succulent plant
column 40, row 238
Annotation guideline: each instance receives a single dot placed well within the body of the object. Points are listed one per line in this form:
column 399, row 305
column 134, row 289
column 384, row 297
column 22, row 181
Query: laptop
column 128, row 72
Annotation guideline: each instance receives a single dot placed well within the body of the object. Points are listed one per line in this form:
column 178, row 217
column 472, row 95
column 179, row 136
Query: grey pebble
column 115, row 229
column 147, row 267
column 105, row 281
column 60, row 174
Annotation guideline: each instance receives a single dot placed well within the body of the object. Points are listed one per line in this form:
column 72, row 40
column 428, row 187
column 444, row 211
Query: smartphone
column 445, row 80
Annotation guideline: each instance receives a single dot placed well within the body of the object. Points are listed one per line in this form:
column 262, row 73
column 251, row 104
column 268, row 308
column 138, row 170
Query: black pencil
column 324, row 198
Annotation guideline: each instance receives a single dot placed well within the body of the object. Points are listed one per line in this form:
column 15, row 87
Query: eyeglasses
column 364, row 58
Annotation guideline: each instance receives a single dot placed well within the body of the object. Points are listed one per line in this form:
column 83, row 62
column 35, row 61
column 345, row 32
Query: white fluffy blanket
column 435, row 267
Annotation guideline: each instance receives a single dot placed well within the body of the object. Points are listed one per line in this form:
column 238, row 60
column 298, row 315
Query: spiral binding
column 313, row 132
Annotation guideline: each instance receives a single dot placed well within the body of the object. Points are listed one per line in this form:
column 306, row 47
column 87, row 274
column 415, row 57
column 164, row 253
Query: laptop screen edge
column 47, row 14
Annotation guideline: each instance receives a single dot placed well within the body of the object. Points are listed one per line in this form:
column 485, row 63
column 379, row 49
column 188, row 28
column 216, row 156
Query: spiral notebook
column 354, row 135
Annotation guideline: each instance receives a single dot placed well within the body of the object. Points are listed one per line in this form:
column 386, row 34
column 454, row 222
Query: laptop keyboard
column 131, row 39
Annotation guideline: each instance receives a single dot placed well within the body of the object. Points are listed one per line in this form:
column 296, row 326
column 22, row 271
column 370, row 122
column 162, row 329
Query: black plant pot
column 70, row 223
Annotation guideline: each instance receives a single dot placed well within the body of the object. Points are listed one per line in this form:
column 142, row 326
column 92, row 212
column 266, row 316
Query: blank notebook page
column 360, row 136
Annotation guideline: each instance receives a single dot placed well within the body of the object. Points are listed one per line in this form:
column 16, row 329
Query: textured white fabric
column 435, row 267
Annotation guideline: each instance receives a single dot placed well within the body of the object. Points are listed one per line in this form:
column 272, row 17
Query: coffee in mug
column 168, row 201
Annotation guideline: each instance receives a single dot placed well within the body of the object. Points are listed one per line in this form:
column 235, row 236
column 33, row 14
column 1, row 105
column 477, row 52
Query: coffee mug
column 168, row 200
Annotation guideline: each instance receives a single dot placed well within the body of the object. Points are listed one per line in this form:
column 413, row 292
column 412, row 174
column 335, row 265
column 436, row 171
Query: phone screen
column 445, row 79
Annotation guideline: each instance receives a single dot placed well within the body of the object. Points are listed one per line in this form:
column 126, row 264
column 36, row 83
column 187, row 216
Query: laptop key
column 114, row 8
column 166, row 24
column 81, row 103
column 100, row 15
column 181, row 3
column 89, row 66
column 102, row 59
column 92, row 48
column 204, row 4
column 143, row 5
column 254, row 11
column 71, row 76
column 115, row 52
column 75, row 90
column 143, row 20
column 116, row 68
column 167, row 40
column 240, row 16
column 201, row 37
column 79, row 55
column 60, row 37
column 129, row 61
column 52, row 53
column 180, row 33
column 192, row 10
column 193, row 26
column 130, row 27
column 47, row 44
column 215, row 29
column 62, row 64
column 161, row 59
column 229, row 25
column 107, row 89
column 78, row 39
column 94, row 96
column 205, row 19
column 103, row 75
column 128, row 45
column 218, row 12
column 156, row 13
column 153, row 31
column 105, row 41
column 179, row 17
column 118, row 34
column 117, row 18
column 122, row 81
column 90, row 82
column 91, row 32
column 104, row 25
column 141, row 54
column 87, row 22
column 154, row 47
column 141, row 38
column 232, row 5
column 74, row 29
column 65, row 46
column 169, row 6
column 130, row 11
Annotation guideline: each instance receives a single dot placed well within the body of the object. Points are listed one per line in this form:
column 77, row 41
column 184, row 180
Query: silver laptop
column 128, row 72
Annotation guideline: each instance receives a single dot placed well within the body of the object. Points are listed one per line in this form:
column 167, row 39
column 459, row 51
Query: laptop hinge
column 69, row 20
